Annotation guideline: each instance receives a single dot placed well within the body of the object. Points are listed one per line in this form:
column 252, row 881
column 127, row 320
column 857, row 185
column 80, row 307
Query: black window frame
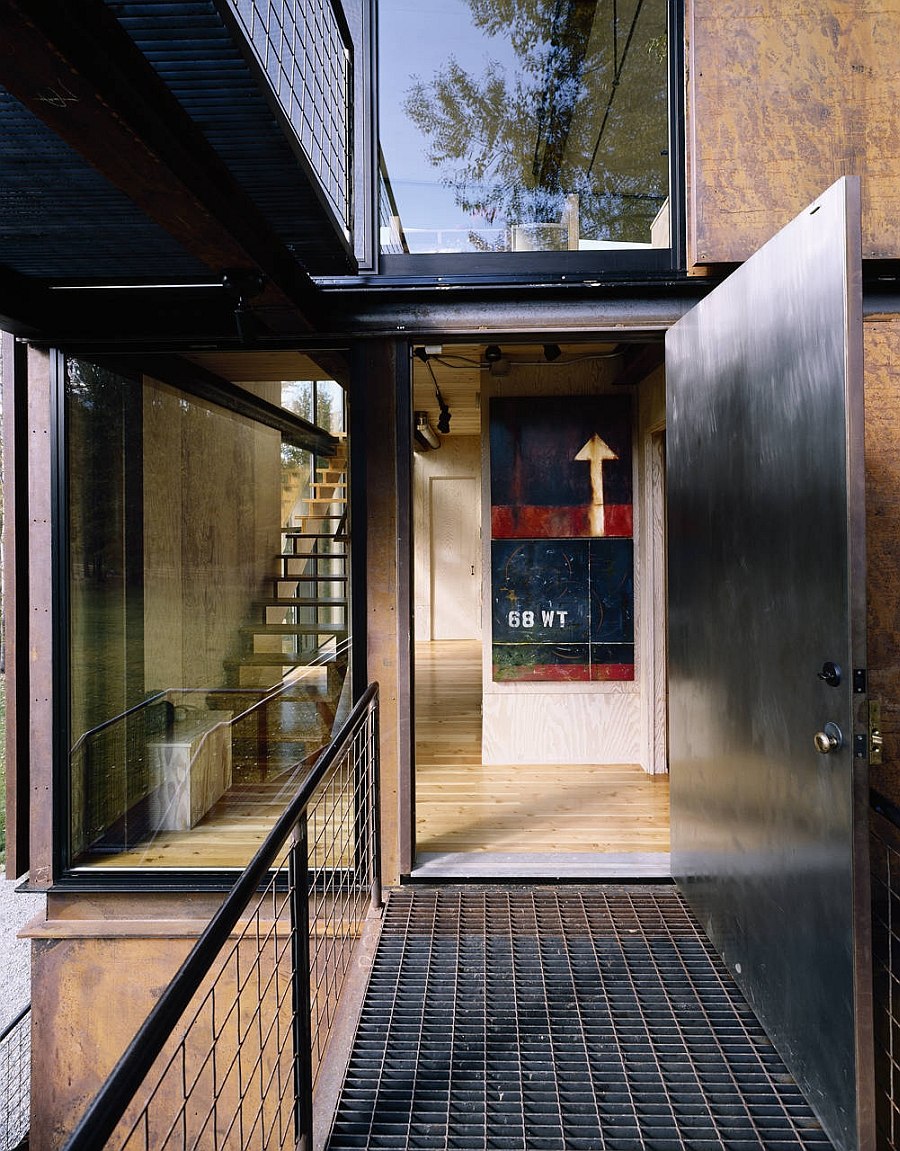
column 606, row 266
column 67, row 875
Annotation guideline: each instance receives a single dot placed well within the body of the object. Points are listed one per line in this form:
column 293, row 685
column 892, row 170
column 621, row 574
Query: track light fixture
column 443, row 423
column 243, row 285
column 424, row 431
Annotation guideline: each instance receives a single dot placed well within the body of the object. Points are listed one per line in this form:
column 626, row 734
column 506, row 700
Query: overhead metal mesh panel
column 305, row 52
column 560, row 1018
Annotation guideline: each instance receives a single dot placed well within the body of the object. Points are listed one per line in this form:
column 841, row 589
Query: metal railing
column 305, row 50
column 885, row 867
column 393, row 239
column 15, row 1080
column 228, row 1056
column 111, row 764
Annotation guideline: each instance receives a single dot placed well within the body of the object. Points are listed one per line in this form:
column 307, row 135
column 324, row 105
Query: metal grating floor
column 560, row 1017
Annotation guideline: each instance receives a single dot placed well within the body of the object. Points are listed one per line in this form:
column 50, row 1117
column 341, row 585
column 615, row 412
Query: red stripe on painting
column 531, row 521
column 610, row 671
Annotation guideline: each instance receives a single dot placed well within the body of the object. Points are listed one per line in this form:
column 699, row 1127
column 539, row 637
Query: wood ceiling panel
column 459, row 370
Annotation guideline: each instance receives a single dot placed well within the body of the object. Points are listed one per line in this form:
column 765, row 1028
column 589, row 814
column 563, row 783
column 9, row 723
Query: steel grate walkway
column 565, row 1018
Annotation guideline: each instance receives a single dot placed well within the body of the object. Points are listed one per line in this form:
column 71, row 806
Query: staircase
column 297, row 644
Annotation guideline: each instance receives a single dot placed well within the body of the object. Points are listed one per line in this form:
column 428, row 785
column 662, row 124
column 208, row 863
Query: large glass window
column 523, row 125
column 208, row 615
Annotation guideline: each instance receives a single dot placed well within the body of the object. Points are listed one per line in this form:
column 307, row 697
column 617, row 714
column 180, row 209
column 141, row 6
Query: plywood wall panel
column 163, row 578
column 782, row 99
column 557, row 728
column 211, row 534
column 882, row 379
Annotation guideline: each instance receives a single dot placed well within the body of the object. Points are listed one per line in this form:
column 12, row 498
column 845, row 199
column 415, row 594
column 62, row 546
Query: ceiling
column 257, row 367
column 143, row 154
column 460, row 370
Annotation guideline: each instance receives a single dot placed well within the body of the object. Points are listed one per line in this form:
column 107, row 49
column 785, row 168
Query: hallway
column 615, row 811
column 563, row 1018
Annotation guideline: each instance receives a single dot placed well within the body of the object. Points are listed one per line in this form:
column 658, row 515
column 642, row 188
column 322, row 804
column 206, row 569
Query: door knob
column 831, row 673
column 831, row 738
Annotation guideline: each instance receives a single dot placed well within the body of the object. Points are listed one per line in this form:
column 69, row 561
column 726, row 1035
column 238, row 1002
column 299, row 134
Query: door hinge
column 876, row 739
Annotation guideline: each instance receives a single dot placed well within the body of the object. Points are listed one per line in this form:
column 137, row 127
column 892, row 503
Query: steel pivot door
column 766, row 590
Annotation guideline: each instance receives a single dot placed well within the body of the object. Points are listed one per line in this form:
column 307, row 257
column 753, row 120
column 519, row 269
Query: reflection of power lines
column 617, row 72
column 570, row 34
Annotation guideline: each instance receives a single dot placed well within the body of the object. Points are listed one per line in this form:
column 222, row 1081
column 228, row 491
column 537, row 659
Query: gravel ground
column 15, row 993
column 15, row 967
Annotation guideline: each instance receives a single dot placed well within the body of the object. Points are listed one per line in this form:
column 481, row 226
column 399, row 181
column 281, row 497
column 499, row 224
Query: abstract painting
column 562, row 562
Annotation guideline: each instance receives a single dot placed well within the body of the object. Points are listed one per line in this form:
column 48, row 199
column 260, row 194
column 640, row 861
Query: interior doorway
column 455, row 558
column 553, row 767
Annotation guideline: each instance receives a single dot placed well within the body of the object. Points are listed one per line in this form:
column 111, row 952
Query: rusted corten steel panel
column 783, row 97
column 40, row 615
column 386, row 621
column 882, row 357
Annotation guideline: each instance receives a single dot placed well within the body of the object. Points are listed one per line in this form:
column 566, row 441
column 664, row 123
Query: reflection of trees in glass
column 320, row 403
column 585, row 113
column 317, row 403
column 96, row 466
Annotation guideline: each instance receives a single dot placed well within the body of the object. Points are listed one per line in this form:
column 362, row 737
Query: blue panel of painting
column 540, row 591
column 612, row 591
column 612, row 661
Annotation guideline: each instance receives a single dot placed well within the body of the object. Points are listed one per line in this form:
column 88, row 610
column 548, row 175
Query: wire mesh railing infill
column 229, row 1055
column 15, row 1080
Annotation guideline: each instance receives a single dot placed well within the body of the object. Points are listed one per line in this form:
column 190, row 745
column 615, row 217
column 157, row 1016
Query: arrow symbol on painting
column 597, row 451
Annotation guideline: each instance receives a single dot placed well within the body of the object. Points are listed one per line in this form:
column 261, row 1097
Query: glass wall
column 523, row 125
column 208, row 579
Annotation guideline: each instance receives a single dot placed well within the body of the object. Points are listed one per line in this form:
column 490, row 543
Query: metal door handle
column 473, row 569
column 830, row 739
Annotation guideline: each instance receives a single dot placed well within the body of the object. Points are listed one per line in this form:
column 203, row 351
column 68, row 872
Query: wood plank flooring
column 464, row 806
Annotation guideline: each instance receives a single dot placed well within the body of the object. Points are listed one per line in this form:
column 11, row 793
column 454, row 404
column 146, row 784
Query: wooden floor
column 463, row 806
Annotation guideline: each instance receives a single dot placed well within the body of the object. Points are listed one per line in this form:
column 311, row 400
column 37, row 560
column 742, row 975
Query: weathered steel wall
column 783, row 98
column 882, row 376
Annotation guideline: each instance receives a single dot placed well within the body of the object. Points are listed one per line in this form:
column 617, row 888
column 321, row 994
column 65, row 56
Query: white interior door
column 455, row 558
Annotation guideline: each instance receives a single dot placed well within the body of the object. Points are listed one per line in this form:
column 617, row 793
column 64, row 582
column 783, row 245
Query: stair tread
column 309, row 577
column 290, row 601
column 300, row 534
column 311, row 556
column 294, row 629
column 282, row 659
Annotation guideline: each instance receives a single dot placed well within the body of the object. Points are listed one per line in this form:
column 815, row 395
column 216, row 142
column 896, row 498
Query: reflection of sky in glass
column 565, row 147
column 415, row 40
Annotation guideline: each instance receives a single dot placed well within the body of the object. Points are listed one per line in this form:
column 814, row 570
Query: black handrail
column 109, row 1104
column 267, row 695
column 10, row 1027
